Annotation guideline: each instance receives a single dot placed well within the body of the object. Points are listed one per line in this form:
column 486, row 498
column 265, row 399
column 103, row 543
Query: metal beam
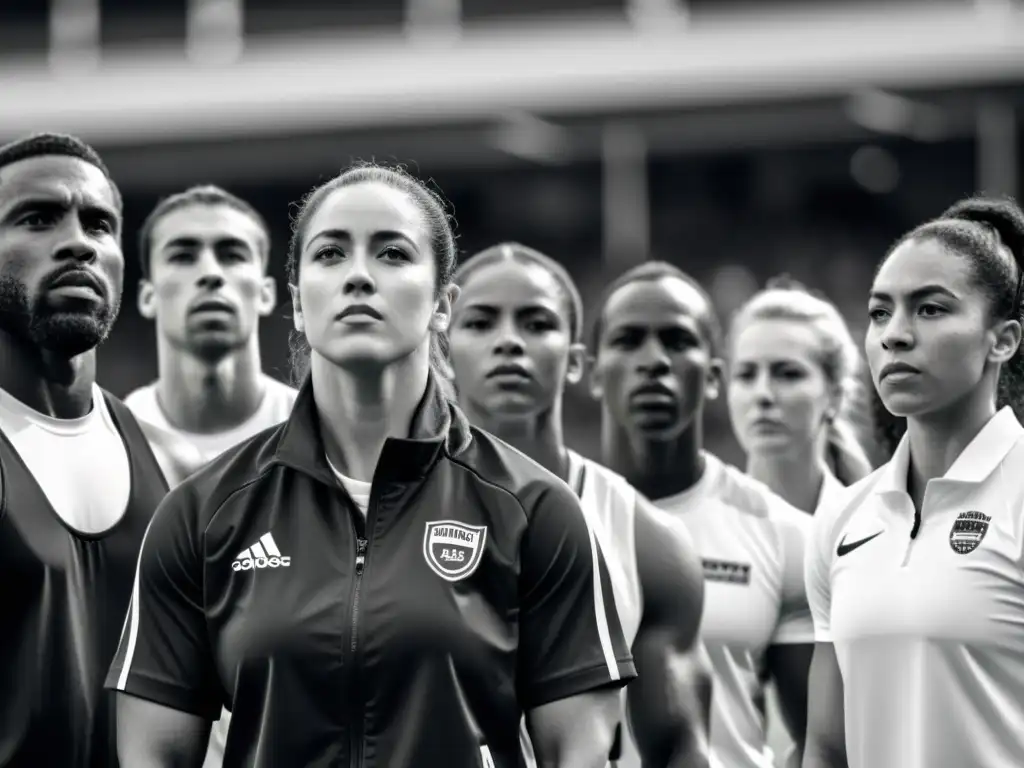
column 313, row 83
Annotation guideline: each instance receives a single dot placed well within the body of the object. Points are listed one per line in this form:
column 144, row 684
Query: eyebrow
column 376, row 237
column 917, row 293
column 91, row 208
column 195, row 242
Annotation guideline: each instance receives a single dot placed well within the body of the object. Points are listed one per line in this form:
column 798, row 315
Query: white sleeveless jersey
column 181, row 453
column 751, row 543
column 610, row 503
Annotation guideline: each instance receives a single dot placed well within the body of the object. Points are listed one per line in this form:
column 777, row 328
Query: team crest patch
column 453, row 550
column 969, row 529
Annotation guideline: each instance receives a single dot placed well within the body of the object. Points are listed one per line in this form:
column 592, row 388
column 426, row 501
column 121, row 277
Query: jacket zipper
column 362, row 527
column 357, row 716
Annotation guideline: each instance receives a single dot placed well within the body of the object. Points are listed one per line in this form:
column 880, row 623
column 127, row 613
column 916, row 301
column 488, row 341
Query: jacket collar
column 438, row 426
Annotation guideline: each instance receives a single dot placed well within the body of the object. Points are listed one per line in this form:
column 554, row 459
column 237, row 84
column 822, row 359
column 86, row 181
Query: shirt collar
column 437, row 426
column 974, row 464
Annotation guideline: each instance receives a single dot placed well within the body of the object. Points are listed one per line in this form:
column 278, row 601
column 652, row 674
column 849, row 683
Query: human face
column 779, row 396
column 207, row 286
column 654, row 366
column 61, row 266
column 511, row 343
column 930, row 336
column 366, row 293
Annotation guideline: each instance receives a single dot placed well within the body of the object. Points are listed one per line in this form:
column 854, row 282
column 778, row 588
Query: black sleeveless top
column 63, row 602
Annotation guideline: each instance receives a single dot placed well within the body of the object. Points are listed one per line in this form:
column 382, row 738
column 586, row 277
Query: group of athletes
column 402, row 563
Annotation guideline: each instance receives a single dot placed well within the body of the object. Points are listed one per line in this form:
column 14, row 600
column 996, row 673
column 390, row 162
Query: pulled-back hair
column 988, row 232
column 840, row 362
column 201, row 194
column 649, row 272
column 441, row 235
column 523, row 255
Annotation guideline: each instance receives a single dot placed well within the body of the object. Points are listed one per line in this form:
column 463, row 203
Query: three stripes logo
column 263, row 554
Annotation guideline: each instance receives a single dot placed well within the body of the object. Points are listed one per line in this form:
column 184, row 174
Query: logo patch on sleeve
column 453, row 550
column 969, row 529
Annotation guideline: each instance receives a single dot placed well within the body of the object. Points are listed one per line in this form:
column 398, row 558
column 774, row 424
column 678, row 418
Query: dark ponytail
column 1003, row 218
column 989, row 233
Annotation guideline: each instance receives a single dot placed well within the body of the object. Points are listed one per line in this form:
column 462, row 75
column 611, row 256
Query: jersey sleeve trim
column 167, row 694
column 131, row 625
column 602, row 604
column 579, row 681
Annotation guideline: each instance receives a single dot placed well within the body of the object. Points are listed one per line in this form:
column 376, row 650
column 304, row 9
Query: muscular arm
column 789, row 666
column 669, row 703
column 151, row 735
column 826, row 726
column 575, row 732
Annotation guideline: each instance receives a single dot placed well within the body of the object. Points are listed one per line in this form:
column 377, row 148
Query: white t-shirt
column 80, row 464
column 752, row 544
column 358, row 490
column 181, row 453
column 929, row 631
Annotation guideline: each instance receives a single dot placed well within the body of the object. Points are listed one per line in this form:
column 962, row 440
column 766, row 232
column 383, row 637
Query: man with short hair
column 78, row 482
column 204, row 254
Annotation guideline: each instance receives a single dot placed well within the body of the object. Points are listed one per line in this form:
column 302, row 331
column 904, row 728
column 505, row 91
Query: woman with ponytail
column 375, row 582
column 796, row 406
column 794, row 394
column 915, row 575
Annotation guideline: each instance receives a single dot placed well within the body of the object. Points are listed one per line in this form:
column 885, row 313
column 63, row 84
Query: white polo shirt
column 929, row 631
column 752, row 546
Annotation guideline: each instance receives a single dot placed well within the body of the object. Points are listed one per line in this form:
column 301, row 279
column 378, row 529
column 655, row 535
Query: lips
column 211, row 305
column 509, row 371
column 360, row 309
column 652, row 395
column 79, row 278
column 897, row 368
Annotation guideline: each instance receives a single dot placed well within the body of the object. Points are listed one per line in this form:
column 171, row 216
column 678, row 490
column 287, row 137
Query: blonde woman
column 796, row 405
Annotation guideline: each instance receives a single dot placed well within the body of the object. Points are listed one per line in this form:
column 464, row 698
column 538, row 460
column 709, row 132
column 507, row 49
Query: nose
column 897, row 332
column 211, row 271
column 652, row 360
column 764, row 394
column 509, row 342
column 358, row 280
column 75, row 245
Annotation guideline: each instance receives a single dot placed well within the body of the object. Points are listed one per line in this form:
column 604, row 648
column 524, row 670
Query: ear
column 442, row 317
column 715, row 378
column 1005, row 342
column 577, row 364
column 147, row 299
column 298, row 320
column 596, row 382
column 266, row 301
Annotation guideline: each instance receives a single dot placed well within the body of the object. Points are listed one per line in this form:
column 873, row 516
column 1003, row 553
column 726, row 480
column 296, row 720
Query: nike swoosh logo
column 845, row 549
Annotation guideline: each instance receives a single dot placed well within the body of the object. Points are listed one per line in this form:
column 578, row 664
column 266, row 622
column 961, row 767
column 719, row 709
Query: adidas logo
column 263, row 554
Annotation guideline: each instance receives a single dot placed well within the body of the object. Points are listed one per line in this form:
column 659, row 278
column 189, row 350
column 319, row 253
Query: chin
column 510, row 406
column 364, row 354
column 70, row 335
column 767, row 444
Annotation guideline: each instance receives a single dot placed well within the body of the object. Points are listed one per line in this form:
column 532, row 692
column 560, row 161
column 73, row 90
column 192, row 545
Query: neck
column 656, row 468
column 54, row 386
column 938, row 439
column 538, row 437
column 359, row 412
column 208, row 397
column 795, row 475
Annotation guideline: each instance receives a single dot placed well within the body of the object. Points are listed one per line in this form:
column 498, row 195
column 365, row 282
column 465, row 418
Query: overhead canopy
column 559, row 69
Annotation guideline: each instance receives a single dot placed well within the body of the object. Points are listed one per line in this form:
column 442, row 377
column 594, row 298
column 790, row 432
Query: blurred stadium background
column 737, row 140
